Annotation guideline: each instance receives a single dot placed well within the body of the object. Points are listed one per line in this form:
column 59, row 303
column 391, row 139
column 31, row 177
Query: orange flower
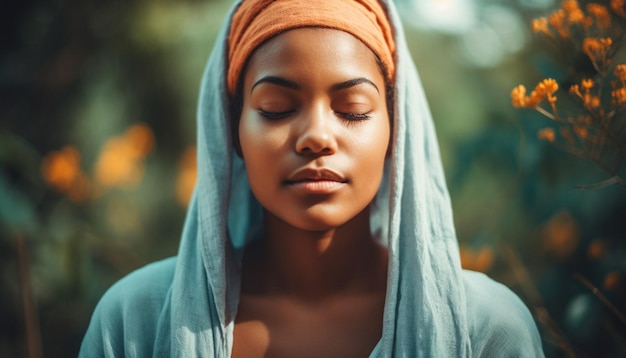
column 618, row 7
column 597, row 48
column 560, row 235
column 574, row 13
column 548, row 86
column 120, row 161
column 477, row 259
column 620, row 72
column 581, row 131
column 141, row 139
column 518, row 96
column 557, row 20
column 601, row 13
column 541, row 25
column 543, row 91
column 186, row 180
column 619, row 96
column 587, row 83
column 596, row 249
column 62, row 170
column 591, row 101
column 575, row 90
column 612, row 280
column 547, row 134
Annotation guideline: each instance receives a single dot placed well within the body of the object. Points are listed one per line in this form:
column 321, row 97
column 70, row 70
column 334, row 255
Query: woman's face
column 314, row 128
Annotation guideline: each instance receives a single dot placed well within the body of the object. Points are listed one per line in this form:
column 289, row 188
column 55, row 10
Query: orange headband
column 255, row 21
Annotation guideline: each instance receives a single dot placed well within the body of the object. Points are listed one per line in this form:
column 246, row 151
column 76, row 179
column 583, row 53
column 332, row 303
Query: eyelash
column 274, row 115
column 355, row 116
column 347, row 116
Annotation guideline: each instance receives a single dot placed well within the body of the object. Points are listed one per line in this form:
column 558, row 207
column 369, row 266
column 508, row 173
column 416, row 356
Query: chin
column 321, row 219
column 315, row 223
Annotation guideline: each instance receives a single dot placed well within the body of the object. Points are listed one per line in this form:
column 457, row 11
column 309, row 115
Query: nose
column 316, row 134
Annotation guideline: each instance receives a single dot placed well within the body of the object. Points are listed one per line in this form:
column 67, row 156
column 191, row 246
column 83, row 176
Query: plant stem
column 541, row 312
column 31, row 318
column 601, row 296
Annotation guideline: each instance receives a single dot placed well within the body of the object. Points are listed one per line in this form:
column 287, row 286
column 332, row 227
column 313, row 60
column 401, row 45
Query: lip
column 316, row 180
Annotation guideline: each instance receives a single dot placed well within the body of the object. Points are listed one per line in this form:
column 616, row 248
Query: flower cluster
column 544, row 91
column 597, row 129
column 570, row 17
column 120, row 164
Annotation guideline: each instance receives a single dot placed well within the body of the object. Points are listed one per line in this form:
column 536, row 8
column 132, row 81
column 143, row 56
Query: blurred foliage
column 97, row 162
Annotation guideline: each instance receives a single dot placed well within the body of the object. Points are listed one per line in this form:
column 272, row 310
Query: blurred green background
column 97, row 132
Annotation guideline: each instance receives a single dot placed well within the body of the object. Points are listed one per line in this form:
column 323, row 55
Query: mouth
column 316, row 181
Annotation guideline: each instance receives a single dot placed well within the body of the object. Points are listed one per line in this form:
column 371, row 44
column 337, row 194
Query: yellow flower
column 547, row 134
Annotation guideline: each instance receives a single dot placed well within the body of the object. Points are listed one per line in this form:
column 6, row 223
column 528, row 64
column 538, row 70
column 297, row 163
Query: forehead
column 310, row 52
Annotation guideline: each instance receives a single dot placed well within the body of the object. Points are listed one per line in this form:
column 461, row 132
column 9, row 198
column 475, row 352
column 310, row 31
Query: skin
column 314, row 135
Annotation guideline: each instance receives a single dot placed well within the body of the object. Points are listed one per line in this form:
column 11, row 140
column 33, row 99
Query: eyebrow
column 283, row 82
column 352, row 83
column 279, row 81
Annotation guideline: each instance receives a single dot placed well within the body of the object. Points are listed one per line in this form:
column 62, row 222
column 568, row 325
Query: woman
column 320, row 224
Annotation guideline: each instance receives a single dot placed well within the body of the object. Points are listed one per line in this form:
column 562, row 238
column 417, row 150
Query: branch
column 601, row 296
column 612, row 180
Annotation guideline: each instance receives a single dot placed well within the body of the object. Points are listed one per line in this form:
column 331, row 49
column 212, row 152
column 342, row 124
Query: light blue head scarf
column 185, row 307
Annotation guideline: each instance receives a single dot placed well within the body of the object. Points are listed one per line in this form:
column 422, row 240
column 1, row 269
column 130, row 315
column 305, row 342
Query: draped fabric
column 255, row 21
column 185, row 306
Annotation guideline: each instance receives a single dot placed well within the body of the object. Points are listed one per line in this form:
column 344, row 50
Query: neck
column 311, row 265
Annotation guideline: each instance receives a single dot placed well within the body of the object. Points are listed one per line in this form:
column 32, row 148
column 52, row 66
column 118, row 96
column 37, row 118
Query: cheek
column 373, row 144
column 259, row 148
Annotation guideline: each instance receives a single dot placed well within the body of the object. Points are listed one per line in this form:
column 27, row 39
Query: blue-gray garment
column 185, row 306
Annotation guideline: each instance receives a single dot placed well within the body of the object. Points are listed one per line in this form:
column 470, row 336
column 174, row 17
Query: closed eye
column 274, row 115
column 355, row 116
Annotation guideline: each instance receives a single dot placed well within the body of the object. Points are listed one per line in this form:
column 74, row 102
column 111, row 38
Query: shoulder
column 499, row 322
column 126, row 317
column 144, row 289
